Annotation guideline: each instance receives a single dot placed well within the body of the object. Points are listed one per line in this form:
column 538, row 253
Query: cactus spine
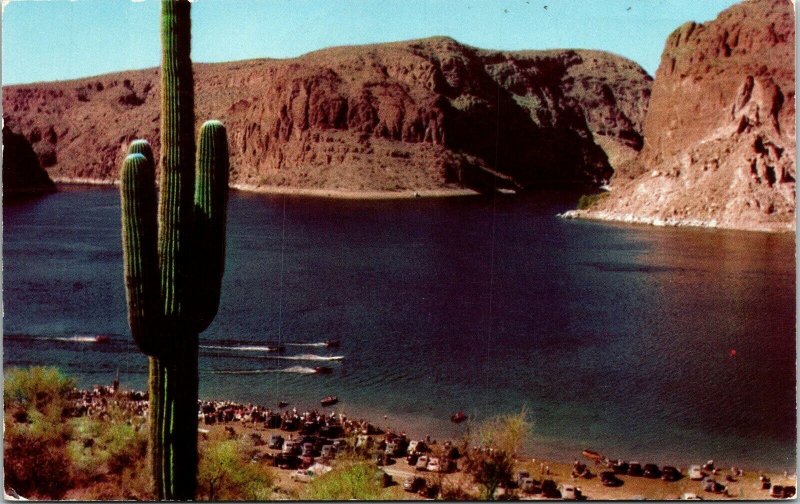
column 174, row 255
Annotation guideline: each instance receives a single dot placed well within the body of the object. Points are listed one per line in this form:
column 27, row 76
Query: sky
column 65, row 39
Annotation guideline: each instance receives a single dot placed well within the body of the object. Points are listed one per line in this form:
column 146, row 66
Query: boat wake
column 293, row 369
column 74, row 339
column 311, row 357
column 243, row 348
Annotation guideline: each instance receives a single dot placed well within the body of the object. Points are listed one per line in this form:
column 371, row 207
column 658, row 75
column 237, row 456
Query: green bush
column 43, row 389
column 588, row 200
column 347, row 481
column 35, row 458
column 225, row 473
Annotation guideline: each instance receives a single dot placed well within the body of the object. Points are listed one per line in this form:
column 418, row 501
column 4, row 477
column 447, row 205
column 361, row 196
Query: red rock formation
column 720, row 131
column 412, row 115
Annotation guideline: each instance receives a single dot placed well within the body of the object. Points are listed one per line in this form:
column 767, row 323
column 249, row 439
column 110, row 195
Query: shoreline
column 557, row 468
column 607, row 216
column 344, row 194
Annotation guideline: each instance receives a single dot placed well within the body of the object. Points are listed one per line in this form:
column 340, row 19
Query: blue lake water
column 612, row 337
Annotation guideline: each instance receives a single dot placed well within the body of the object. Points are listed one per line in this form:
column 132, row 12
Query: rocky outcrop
column 719, row 136
column 418, row 115
column 22, row 174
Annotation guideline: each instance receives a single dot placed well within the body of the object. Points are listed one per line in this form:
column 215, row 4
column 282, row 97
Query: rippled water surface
column 613, row 337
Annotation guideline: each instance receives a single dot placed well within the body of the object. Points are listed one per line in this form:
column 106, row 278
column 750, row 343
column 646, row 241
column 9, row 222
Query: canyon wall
column 719, row 134
column 416, row 115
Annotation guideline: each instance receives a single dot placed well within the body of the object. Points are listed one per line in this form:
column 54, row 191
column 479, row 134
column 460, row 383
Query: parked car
column 394, row 448
column 570, row 492
column 777, row 491
column 713, row 486
column 609, row 479
column 691, row 496
column 283, row 461
column 275, row 442
column 429, row 491
column 382, row 459
column 328, row 451
column 669, row 473
column 696, row 473
column 434, row 465
column 620, row 467
column 413, row 484
column 289, row 448
column 308, row 449
column 789, row 491
column 417, row 446
column 550, row 490
column 635, row 469
column 529, row 485
column 651, row 471
column 521, row 475
column 422, row 463
column 340, row 444
column 306, row 460
column 412, row 458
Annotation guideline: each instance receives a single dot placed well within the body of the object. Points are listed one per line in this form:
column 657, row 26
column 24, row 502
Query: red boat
column 458, row 417
column 329, row 401
column 333, row 343
column 101, row 338
column 323, row 370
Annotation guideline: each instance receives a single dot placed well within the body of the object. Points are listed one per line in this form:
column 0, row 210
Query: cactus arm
column 138, row 201
column 210, row 202
column 177, row 159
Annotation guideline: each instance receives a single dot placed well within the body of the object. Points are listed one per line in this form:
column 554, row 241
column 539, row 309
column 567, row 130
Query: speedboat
column 323, row 370
column 333, row 343
column 101, row 338
column 458, row 417
column 329, row 401
column 275, row 348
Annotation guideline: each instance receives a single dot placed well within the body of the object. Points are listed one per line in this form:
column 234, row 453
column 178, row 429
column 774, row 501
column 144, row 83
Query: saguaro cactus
column 174, row 255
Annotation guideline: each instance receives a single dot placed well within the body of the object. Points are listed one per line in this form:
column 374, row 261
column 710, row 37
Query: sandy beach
column 310, row 192
column 746, row 487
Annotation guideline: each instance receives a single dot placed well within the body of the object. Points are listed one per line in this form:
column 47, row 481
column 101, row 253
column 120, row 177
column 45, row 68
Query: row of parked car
column 666, row 473
column 547, row 488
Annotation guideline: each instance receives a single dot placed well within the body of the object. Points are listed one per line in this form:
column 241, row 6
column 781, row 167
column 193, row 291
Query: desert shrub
column 500, row 438
column 106, row 446
column 43, row 389
column 587, row 200
column 35, row 458
column 226, row 473
column 347, row 481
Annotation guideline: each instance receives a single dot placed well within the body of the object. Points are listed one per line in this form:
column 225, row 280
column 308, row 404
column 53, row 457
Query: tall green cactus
column 174, row 256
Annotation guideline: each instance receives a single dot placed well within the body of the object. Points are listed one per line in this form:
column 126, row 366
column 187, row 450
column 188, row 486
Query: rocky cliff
column 416, row 115
column 719, row 135
column 22, row 173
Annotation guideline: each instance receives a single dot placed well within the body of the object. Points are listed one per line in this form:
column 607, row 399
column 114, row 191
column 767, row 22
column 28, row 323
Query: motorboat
column 282, row 404
column 329, row 401
column 102, row 338
column 458, row 417
column 323, row 370
column 592, row 455
column 333, row 343
column 275, row 348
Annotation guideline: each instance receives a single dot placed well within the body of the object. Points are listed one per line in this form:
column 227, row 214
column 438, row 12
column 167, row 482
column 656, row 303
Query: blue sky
column 61, row 39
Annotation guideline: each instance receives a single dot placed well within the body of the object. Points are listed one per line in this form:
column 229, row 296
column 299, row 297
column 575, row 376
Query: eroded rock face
column 22, row 173
column 720, row 129
column 417, row 115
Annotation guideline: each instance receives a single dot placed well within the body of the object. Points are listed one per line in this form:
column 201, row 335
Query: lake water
column 612, row 337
